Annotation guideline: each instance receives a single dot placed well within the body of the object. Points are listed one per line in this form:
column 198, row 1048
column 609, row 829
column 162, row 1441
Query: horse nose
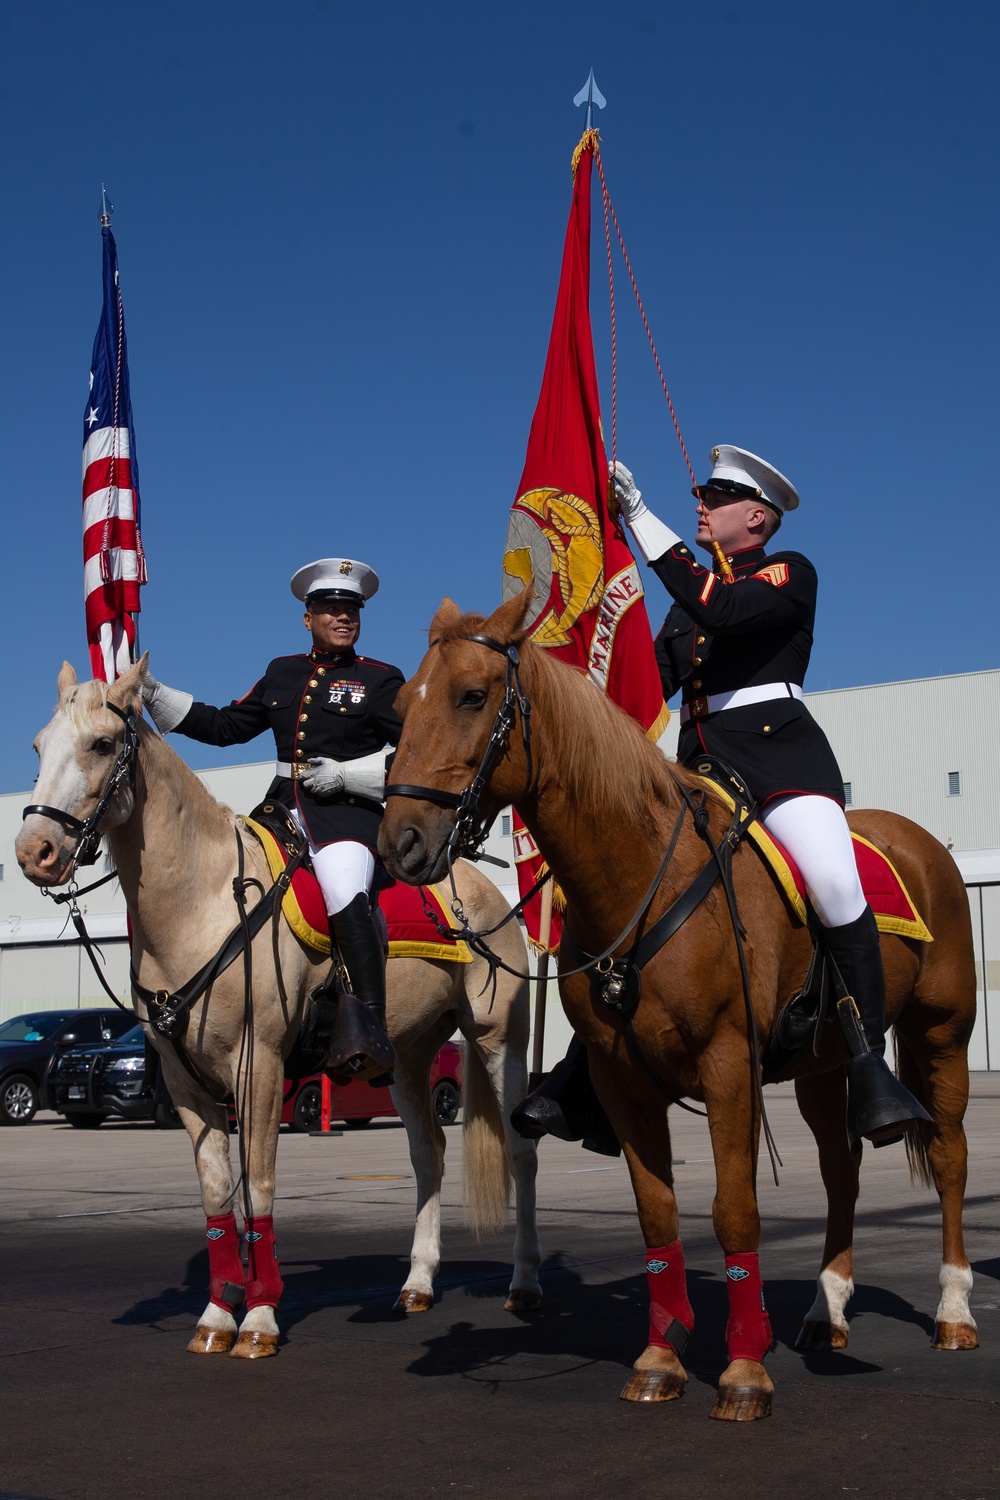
column 38, row 858
column 411, row 850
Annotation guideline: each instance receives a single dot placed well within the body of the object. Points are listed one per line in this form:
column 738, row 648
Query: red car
column 357, row 1104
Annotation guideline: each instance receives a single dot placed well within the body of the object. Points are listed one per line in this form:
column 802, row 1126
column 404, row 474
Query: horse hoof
column 523, row 1302
column 254, row 1345
column 653, row 1385
column 412, row 1301
column 211, row 1340
column 821, row 1335
column 955, row 1336
column 740, row 1401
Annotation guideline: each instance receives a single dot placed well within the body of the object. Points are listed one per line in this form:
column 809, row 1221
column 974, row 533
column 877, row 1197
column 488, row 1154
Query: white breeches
column 815, row 833
column 343, row 870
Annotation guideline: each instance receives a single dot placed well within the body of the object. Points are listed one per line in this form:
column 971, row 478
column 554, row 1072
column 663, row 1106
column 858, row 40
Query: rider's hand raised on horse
column 653, row 537
column 167, row 706
column 627, row 492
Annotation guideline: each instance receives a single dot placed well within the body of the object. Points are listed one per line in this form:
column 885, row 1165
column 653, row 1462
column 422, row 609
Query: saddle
column 302, row 907
column 803, row 1017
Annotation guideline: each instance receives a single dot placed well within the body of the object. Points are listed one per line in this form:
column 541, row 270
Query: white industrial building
column 925, row 748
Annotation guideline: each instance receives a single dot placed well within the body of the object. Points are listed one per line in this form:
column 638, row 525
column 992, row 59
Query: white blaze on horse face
column 62, row 783
column 62, row 778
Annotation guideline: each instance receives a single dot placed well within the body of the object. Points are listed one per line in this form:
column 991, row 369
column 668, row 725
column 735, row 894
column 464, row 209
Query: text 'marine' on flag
column 113, row 562
column 589, row 608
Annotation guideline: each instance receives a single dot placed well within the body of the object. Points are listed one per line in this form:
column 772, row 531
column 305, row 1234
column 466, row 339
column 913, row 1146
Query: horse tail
column 918, row 1132
column 485, row 1170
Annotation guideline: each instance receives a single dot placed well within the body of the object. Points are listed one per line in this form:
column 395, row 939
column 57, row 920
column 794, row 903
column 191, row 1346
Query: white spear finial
column 590, row 95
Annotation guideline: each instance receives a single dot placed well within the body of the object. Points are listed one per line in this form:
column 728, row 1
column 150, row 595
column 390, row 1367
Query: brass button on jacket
column 338, row 705
column 720, row 639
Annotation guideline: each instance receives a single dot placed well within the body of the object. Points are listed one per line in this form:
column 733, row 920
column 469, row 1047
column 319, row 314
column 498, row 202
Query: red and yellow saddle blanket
column 880, row 880
column 412, row 933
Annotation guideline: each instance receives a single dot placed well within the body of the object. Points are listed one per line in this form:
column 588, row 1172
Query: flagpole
column 542, row 985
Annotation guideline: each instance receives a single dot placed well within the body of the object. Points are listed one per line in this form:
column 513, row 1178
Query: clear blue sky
column 339, row 231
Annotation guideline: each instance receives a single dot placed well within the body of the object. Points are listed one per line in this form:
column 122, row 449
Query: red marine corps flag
column 588, row 606
column 113, row 564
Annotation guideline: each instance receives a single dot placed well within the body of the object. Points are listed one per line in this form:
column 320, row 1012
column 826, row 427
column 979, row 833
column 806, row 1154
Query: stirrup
column 879, row 1107
column 359, row 1047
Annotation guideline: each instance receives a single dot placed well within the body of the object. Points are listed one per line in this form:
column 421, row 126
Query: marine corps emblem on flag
column 555, row 537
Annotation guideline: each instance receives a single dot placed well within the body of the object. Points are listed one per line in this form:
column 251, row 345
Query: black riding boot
column 360, row 1043
column 565, row 1105
column 878, row 1106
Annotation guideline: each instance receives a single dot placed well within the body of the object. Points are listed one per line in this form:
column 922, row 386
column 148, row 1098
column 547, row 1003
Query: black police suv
column 122, row 1077
column 28, row 1044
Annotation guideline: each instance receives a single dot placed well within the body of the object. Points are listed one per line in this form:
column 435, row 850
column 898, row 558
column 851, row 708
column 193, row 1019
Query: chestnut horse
column 175, row 851
column 602, row 802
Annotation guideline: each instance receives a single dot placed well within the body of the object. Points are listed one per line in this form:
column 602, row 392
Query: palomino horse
column 602, row 804
column 175, row 851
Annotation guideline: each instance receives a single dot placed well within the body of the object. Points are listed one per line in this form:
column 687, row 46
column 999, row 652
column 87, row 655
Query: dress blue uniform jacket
column 339, row 705
column 720, row 637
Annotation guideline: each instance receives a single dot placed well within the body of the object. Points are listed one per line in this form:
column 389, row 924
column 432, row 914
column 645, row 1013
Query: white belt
column 700, row 708
column 294, row 772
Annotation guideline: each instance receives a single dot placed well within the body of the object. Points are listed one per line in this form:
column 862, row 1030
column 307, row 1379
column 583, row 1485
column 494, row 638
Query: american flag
column 114, row 567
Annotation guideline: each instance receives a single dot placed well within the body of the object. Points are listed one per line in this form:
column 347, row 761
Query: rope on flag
column 114, row 567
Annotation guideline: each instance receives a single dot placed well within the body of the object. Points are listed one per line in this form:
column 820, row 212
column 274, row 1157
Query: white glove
column 325, row 776
column 365, row 777
column 167, row 706
column 653, row 537
column 627, row 492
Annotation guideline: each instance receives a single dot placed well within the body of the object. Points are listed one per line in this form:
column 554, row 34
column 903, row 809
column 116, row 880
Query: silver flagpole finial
column 107, row 208
column 590, row 95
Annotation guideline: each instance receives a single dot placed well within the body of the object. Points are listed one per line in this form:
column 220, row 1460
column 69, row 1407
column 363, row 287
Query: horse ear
column 507, row 623
column 129, row 684
column 448, row 615
column 67, row 678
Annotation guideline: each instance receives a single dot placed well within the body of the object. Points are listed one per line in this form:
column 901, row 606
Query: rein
column 89, row 837
column 167, row 1011
column 620, row 979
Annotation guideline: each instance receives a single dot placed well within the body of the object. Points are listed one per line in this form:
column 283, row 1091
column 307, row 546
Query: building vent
column 954, row 783
column 848, row 794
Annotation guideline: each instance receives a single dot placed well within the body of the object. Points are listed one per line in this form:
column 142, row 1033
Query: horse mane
column 606, row 759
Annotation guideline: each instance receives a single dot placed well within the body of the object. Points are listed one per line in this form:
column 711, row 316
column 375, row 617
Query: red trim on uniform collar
column 747, row 557
column 334, row 658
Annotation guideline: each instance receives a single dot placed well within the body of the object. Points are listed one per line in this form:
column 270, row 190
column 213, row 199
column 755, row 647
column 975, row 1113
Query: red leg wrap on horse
column 748, row 1332
column 670, row 1317
column 264, row 1283
column 225, row 1264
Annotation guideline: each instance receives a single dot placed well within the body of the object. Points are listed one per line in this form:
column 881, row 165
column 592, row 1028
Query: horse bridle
column 472, row 829
column 123, row 771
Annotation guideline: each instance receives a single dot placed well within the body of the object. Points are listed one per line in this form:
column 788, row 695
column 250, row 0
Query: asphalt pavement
column 104, row 1274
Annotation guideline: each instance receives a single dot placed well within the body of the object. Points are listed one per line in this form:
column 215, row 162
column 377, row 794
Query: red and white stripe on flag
column 113, row 564
column 111, row 571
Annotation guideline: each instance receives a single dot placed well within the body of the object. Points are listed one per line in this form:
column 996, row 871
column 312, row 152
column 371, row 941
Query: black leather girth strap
column 662, row 929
